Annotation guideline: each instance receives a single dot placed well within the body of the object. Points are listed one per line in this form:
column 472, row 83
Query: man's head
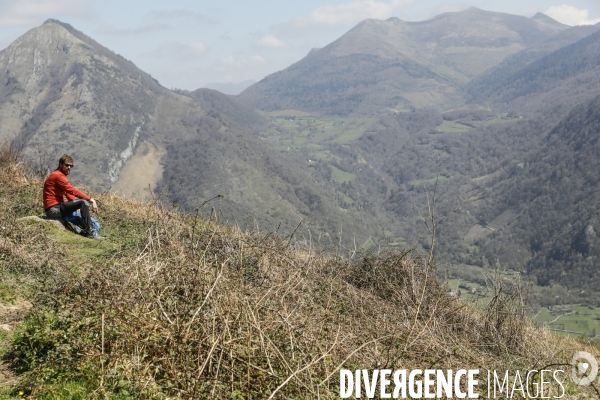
column 65, row 164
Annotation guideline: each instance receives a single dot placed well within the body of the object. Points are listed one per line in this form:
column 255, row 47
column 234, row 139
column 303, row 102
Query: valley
column 350, row 141
column 575, row 320
column 412, row 194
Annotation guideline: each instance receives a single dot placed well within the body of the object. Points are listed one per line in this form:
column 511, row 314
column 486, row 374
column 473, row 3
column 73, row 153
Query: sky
column 186, row 44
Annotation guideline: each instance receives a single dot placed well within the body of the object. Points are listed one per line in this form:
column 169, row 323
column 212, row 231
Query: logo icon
column 585, row 368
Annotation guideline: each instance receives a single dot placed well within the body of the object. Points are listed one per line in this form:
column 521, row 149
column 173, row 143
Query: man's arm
column 72, row 192
column 91, row 200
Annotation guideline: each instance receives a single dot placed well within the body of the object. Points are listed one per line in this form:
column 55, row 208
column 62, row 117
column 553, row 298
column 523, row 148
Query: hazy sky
column 187, row 44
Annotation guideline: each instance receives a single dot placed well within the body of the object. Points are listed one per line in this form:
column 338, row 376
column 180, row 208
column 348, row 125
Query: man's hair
column 65, row 159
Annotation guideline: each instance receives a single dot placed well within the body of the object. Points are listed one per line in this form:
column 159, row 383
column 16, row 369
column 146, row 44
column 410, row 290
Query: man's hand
column 94, row 205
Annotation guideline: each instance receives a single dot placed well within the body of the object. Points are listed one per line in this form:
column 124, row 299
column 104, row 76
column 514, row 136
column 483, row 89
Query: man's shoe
column 95, row 236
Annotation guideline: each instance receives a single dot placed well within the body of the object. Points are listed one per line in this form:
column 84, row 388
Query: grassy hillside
column 175, row 306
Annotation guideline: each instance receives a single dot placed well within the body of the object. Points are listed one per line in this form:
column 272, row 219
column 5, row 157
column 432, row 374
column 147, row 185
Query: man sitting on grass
column 57, row 188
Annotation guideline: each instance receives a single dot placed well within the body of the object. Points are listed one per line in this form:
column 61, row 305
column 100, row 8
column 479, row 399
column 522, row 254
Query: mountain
column 230, row 87
column 551, row 72
column 554, row 197
column 245, row 117
column 62, row 92
column 397, row 65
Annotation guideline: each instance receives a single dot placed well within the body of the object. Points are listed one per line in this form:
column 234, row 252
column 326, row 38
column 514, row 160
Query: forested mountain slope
column 556, row 194
column 487, row 84
column 551, row 78
column 396, row 64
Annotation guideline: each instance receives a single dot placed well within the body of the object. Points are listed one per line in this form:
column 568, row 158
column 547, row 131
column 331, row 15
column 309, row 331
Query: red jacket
column 56, row 187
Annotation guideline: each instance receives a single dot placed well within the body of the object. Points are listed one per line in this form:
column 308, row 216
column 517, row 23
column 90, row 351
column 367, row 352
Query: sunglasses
column 69, row 165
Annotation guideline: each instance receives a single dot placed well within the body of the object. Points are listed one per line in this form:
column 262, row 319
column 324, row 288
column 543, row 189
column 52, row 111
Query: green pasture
column 290, row 131
column 495, row 121
column 570, row 320
column 346, row 199
column 452, row 127
column 341, row 176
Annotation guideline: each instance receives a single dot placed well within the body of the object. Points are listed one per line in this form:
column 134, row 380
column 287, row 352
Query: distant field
column 293, row 130
column 341, row 176
column 288, row 113
column 465, row 125
column 494, row 121
column 452, row 127
column 346, row 199
column 571, row 320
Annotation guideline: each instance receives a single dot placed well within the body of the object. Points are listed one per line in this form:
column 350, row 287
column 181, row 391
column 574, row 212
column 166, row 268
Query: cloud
column 31, row 12
column 570, row 15
column 351, row 12
column 271, row 41
column 232, row 62
column 109, row 29
column 198, row 47
column 179, row 51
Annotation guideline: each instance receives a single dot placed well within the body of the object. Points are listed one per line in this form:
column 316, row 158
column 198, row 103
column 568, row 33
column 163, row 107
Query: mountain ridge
column 395, row 64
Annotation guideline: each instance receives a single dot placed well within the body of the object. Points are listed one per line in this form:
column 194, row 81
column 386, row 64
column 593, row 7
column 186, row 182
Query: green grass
column 341, row 176
column 578, row 319
column 452, row 127
column 80, row 246
column 8, row 294
column 495, row 121
column 353, row 130
column 346, row 199
column 303, row 131
column 72, row 390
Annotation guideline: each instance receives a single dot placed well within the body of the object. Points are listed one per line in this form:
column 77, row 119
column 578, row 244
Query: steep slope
column 556, row 71
column 397, row 64
column 556, row 195
column 63, row 92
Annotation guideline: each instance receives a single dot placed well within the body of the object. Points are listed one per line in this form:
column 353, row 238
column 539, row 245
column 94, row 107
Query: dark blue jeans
column 67, row 208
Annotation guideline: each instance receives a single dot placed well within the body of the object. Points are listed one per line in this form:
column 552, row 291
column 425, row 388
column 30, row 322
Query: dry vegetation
column 173, row 305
